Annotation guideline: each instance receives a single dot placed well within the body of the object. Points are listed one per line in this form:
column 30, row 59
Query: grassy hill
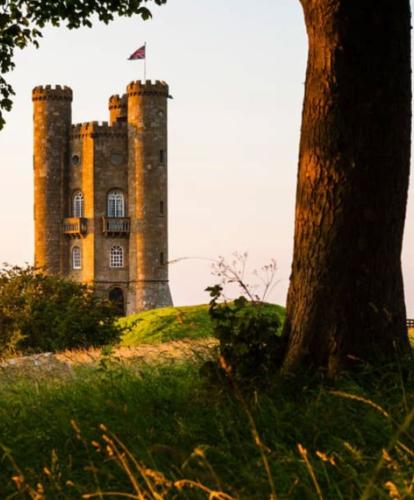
column 171, row 323
column 164, row 431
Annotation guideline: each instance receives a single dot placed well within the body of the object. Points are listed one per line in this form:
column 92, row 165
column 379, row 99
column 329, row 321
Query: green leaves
column 48, row 313
column 21, row 22
column 249, row 335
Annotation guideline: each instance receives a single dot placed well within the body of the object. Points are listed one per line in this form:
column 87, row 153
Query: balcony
column 75, row 227
column 115, row 226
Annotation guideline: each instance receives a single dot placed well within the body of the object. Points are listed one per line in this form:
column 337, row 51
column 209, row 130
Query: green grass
column 170, row 323
column 172, row 422
column 303, row 438
column 411, row 336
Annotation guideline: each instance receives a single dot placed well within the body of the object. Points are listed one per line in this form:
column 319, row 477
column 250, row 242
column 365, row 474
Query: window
column 117, row 159
column 161, row 156
column 76, row 258
column 117, row 257
column 78, row 204
column 161, row 207
column 75, row 160
column 115, row 204
column 162, row 259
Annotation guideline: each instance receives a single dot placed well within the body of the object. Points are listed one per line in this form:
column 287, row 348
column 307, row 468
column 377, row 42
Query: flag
column 138, row 54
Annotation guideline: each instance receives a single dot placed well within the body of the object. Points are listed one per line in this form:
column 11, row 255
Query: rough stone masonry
column 101, row 194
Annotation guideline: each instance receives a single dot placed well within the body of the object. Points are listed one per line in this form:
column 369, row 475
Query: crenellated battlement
column 52, row 93
column 147, row 87
column 97, row 129
column 116, row 101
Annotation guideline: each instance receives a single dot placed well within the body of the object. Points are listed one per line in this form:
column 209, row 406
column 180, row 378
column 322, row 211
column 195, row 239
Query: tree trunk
column 346, row 296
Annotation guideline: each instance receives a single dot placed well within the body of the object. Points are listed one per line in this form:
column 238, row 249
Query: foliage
column 248, row 329
column 21, row 22
column 48, row 313
column 171, row 323
column 250, row 337
column 353, row 439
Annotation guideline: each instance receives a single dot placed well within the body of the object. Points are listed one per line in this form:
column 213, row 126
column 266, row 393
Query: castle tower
column 147, row 192
column 52, row 120
column 101, row 194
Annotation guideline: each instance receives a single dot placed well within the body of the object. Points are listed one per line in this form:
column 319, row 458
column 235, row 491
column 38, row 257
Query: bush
column 250, row 338
column 48, row 313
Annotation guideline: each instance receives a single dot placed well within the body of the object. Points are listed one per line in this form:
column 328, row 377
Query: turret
column 147, row 193
column 118, row 109
column 52, row 120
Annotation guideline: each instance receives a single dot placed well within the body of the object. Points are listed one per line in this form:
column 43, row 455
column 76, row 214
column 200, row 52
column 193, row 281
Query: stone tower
column 101, row 194
column 52, row 121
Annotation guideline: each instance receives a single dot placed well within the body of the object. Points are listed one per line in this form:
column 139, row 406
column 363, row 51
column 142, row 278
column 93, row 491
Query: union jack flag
column 138, row 54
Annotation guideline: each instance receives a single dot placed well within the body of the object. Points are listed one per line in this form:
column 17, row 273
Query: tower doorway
column 116, row 296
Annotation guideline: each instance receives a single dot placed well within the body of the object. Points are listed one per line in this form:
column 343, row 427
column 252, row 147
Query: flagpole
column 145, row 62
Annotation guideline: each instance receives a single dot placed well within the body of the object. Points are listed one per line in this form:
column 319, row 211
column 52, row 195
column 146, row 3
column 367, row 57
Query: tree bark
column 346, row 295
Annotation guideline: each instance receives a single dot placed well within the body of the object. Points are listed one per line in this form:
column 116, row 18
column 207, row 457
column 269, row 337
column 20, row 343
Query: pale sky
column 236, row 70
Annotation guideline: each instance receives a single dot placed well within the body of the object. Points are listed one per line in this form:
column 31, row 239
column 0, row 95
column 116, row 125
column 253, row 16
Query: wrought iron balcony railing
column 115, row 226
column 75, row 226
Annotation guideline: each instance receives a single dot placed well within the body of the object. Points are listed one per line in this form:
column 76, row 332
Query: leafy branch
column 22, row 21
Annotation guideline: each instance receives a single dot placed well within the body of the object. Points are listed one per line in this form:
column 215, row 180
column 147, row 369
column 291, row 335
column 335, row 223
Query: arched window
column 77, row 208
column 117, row 256
column 76, row 258
column 115, row 204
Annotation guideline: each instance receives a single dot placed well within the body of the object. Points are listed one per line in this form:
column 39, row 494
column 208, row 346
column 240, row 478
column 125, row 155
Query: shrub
column 249, row 335
column 48, row 313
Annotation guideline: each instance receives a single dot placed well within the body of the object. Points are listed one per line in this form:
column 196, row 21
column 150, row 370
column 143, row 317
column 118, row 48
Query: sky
column 236, row 71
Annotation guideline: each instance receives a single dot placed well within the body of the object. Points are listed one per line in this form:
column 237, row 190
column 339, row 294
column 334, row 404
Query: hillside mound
column 171, row 323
